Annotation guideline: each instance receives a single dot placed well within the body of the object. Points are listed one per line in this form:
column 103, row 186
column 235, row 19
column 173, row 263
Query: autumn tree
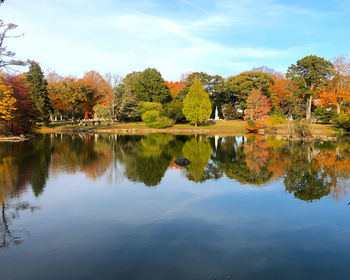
column 24, row 116
column 175, row 87
column 150, row 86
column 7, row 105
column 337, row 90
column 39, row 93
column 258, row 106
column 96, row 90
column 197, row 106
column 285, row 99
column 309, row 73
column 237, row 88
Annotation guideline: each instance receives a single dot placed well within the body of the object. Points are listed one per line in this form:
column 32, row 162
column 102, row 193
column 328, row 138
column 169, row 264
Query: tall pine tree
column 39, row 93
column 197, row 106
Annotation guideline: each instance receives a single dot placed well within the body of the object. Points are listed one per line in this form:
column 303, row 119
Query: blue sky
column 219, row 37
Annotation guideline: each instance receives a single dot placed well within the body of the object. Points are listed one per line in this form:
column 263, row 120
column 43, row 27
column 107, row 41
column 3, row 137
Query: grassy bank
column 219, row 127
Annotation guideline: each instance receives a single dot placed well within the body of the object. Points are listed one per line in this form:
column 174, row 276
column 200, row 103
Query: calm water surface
column 117, row 207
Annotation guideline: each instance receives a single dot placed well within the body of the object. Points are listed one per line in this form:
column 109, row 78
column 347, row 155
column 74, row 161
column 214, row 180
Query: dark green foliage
column 39, row 93
column 302, row 178
column 323, row 115
column 230, row 112
column 173, row 110
column 150, row 86
column 126, row 100
column 343, row 121
column 309, row 72
column 237, row 88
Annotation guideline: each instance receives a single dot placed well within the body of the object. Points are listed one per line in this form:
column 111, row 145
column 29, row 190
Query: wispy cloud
column 223, row 37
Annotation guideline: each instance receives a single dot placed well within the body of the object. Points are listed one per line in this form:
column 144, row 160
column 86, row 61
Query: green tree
column 39, row 93
column 309, row 73
column 212, row 84
column 173, row 110
column 126, row 104
column 197, row 106
column 237, row 88
column 150, row 86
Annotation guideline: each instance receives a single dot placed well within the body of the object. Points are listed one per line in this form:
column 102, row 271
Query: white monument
column 216, row 113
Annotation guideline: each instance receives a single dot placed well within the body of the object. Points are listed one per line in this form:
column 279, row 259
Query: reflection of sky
column 177, row 230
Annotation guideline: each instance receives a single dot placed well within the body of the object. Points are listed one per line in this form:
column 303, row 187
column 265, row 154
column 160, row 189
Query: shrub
column 343, row 121
column 302, row 128
column 323, row 115
column 273, row 122
column 155, row 120
column 253, row 127
column 149, row 106
column 150, row 116
column 161, row 122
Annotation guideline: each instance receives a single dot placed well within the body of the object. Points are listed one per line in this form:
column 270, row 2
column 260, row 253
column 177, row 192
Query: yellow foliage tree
column 7, row 101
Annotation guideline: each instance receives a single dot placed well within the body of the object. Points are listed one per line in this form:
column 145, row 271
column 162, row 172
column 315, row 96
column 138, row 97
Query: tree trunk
column 308, row 108
column 338, row 108
column 195, row 124
column 339, row 104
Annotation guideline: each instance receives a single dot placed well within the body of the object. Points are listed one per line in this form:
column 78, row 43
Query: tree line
column 313, row 88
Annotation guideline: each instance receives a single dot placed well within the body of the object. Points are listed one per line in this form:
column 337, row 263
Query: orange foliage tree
column 97, row 90
column 337, row 90
column 258, row 108
column 175, row 87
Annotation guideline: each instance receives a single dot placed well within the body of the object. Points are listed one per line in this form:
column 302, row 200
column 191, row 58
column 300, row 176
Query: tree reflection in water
column 309, row 171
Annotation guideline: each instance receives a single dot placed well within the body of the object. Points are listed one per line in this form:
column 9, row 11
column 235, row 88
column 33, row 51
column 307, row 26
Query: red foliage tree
column 258, row 106
column 24, row 116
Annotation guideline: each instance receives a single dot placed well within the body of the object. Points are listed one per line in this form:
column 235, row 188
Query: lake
column 118, row 207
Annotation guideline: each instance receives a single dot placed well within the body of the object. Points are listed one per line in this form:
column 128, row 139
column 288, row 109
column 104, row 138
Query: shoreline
column 220, row 128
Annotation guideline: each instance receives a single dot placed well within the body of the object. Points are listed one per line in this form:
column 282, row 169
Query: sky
column 221, row 37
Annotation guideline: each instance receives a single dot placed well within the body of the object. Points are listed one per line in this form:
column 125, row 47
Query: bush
column 323, row 115
column 253, row 127
column 229, row 111
column 343, row 121
column 150, row 116
column 161, row 122
column 149, row 106
column 155, row 120
column 273, row 122
column 302, row 129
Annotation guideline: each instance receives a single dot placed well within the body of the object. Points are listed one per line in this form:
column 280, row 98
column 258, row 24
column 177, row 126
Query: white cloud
column 130, row 37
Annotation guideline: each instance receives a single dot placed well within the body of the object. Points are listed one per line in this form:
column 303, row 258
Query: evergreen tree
column 197, row 106
column 39, row 93
column 151, row 87
column 309, row 73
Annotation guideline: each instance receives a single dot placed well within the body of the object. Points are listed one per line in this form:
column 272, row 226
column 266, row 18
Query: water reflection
column 309, row 171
